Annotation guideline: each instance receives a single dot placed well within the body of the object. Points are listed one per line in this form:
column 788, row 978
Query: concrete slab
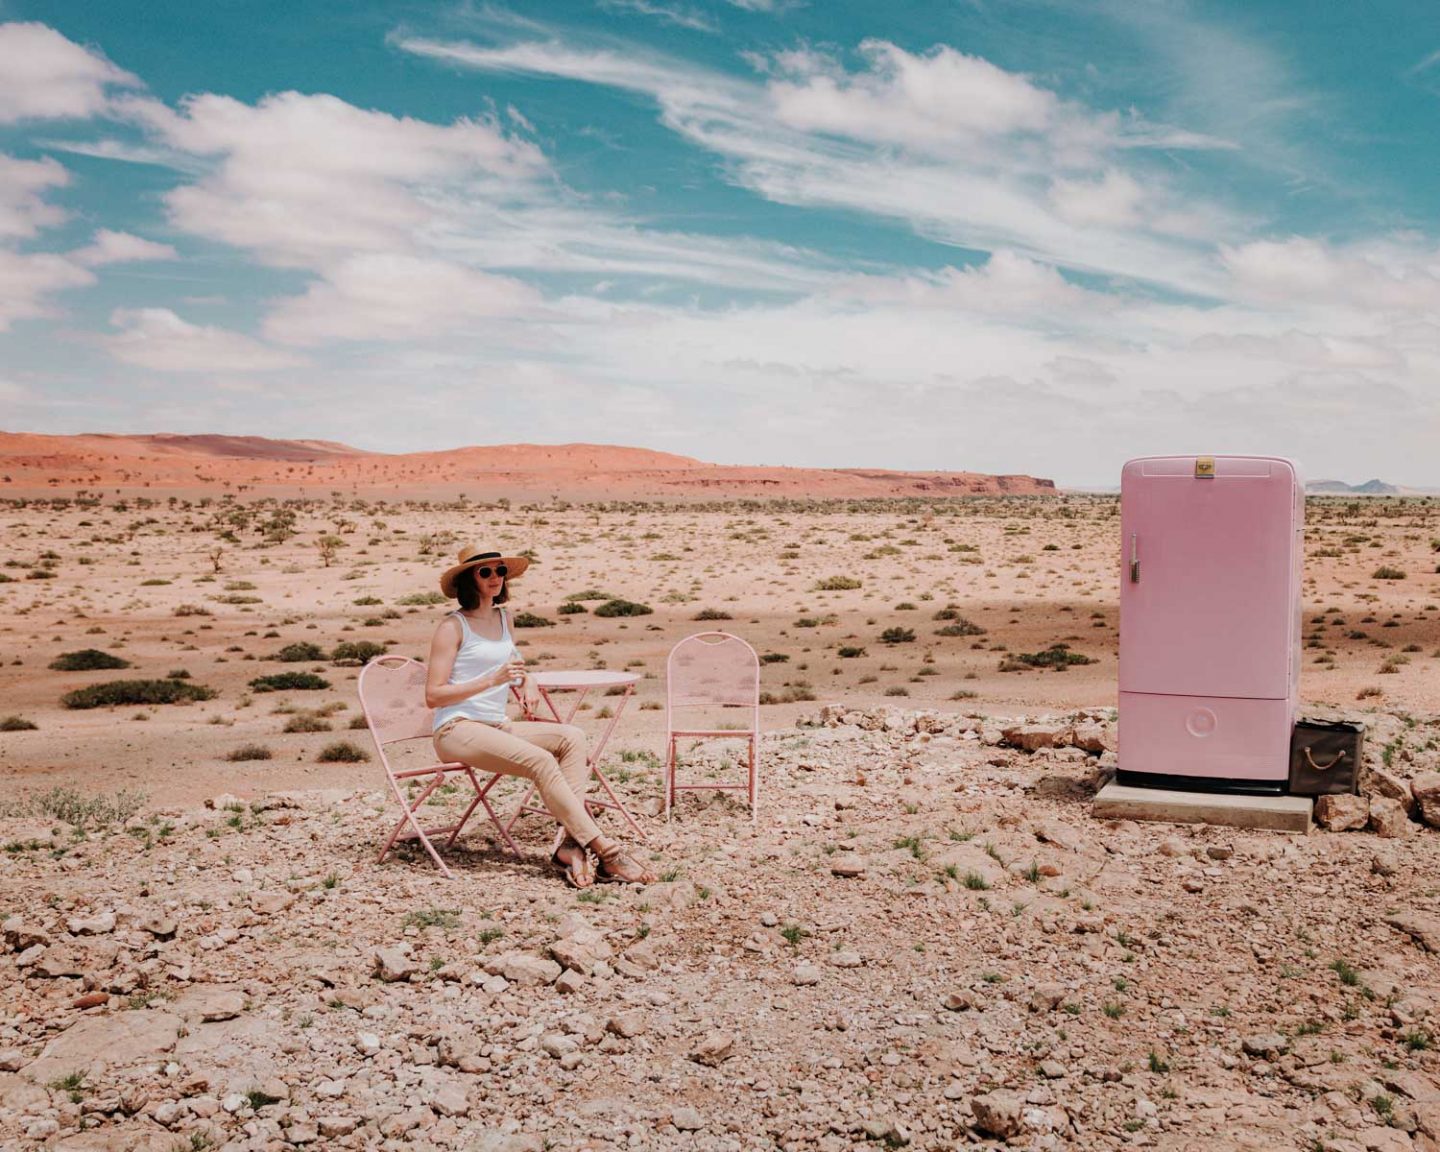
column 1278, row 813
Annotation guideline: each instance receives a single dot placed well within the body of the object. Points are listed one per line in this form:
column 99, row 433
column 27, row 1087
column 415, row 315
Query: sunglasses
column 485, row 571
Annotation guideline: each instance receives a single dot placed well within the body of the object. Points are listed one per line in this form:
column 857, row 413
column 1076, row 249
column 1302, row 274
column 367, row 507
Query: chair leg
column 410, row 818
column 669, row 782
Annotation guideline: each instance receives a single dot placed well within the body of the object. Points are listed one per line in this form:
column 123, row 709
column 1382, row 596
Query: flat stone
column 999, row 1113
column 714, row 1049
column 1277, row 813
column 847, row 865
column 523, row 968
column 95, row 1043
column 1266, row 1045
column 687, row 1119
column 91, row 926
column 1389, row 818
column 270, row 903
column 1424, row 927
column 1342, row 812
column 392, row 964
column 805, row 975
column 451, row 1100
column 210, row 1003
column 1426, row 790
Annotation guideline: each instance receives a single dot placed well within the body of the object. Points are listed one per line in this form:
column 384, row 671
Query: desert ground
column 925, row 939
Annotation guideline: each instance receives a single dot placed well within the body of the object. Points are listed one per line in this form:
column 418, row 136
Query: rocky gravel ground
column 925, row 941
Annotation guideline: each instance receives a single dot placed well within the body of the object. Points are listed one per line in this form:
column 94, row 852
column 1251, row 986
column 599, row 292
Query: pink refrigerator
column 1209, row 620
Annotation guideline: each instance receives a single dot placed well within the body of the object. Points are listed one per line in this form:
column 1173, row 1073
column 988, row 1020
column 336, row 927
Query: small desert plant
column 356, row 651
column 301, row 652
column 248, row 752
column 618, row 607
column 530, row 620
column 117, row 692
column 1386, row 572
column 192, row 610
column 87, row 660
column 17, row 724
column 837, row 584
column 774, row 658
column 307, row 722
column 960, row 627
column 850, row 652
column 571, row 608
column 588, row 594
column 712, row 614
column 898, row 635
column 342, row 752
column 1057, row 656
column 421, row 598
column 286, row 681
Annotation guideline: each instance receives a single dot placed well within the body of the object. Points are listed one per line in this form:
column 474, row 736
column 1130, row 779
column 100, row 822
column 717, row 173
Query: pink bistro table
column 581, row 684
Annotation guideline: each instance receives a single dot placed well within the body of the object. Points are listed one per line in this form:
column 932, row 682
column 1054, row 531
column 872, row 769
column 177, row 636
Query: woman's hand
column 512, row 672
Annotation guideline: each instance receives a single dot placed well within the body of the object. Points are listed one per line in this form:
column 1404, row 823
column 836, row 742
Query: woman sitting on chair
column 473, row 665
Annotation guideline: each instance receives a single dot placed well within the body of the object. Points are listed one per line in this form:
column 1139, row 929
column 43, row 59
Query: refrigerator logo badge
column 1205, row 467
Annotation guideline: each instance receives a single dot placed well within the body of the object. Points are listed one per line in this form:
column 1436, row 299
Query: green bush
column 283, row 681
column 342, row 752
column 530, row 620
column 367, row 601
column 308, row 722
column 849, row 652
column 136, row 692
column 421, row 598
column 712, row 614
column 86, row 660
column 17, row 724
column 961, row 627
column 837, row 584
column 302, row 652
column 1385, row 572
column 572, row 608
column 898, row 635
column 618, row 607
column 588, row 594
column 357, row 651
column 248, row 752
column 1057, row 656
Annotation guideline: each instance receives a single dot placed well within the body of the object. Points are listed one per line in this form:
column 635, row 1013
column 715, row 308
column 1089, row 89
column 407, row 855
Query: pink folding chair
column 707, row 672
column 392, row 695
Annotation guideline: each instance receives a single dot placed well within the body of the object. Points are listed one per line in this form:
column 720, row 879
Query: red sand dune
column 33, row 462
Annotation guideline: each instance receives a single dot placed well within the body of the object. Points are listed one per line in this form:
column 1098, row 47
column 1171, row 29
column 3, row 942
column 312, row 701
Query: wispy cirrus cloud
column 958, row 149
column 676, row 15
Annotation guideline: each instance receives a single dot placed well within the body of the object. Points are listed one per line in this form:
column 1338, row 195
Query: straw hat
column 470, row 556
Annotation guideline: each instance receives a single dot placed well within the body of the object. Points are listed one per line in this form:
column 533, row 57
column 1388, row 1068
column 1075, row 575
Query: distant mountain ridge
column 1340, row 488
column 31, row 462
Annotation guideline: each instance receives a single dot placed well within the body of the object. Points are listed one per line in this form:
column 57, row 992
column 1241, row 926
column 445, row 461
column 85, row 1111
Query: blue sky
column 1032, row 237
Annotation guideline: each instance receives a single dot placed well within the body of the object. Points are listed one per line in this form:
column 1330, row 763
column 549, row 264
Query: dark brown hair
column 468, row 591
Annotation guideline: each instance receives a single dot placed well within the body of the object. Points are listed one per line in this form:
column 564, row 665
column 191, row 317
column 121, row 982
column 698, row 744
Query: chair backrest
column 712, row 669
column 392, row 694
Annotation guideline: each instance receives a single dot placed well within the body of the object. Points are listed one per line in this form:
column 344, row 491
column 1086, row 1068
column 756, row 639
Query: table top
column 588, row 678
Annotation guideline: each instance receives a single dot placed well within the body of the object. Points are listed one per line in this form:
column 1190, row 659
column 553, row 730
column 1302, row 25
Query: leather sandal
column 580, row 871
column 617, row 866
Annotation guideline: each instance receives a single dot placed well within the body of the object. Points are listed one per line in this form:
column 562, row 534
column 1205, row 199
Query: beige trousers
column 551, row 756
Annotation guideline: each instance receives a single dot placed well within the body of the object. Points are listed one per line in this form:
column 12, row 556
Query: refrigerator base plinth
column 1118, row 801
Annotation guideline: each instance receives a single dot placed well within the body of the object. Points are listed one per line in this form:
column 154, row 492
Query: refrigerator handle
column 1134, row 559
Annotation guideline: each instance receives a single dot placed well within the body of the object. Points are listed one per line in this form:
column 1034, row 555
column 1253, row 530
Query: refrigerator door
column 1207, row 595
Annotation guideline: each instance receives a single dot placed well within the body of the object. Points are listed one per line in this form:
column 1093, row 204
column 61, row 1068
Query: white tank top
column 478, row 656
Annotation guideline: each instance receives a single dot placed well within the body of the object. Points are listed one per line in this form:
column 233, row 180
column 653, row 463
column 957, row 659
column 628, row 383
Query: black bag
column 1325, row 756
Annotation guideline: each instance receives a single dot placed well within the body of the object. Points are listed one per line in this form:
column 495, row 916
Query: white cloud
column 28, row 280
column 942, row 100
column 962, row 151
column 44, row 76
column 391, row 297
column 158, row 339
column 23, row 183
column 120, row 248
column 675, row 14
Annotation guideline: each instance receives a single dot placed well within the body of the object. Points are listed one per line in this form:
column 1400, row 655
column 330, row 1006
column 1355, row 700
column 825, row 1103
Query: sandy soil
column 1030, row 572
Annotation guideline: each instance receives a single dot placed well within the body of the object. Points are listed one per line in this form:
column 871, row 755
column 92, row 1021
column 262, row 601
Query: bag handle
column 1323, row 767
